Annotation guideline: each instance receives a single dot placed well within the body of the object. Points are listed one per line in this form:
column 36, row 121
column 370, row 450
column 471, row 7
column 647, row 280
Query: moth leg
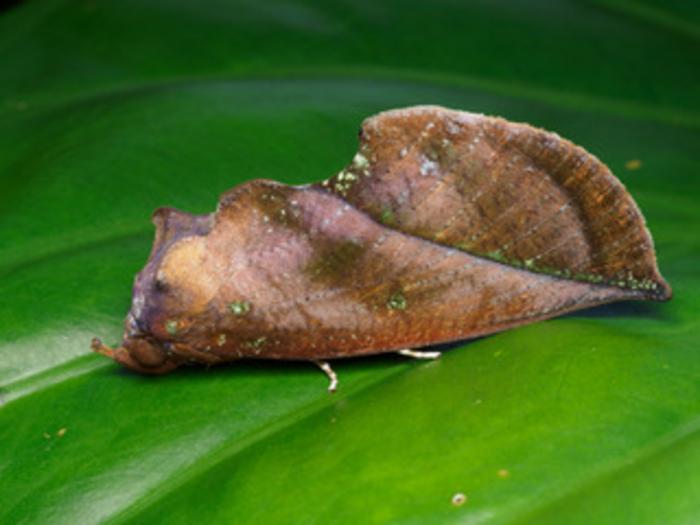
column 332, row 377
column 417, row 354
column 122, row 356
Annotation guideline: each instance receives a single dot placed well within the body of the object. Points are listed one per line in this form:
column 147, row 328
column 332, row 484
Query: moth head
column 175, row 286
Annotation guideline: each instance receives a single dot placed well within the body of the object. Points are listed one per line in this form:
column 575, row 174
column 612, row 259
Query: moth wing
column 501, row 190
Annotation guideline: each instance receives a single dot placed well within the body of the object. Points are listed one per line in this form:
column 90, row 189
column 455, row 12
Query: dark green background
column 109, row 109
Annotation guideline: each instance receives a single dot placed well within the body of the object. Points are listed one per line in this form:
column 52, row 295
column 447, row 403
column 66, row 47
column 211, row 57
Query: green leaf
column 111, row 109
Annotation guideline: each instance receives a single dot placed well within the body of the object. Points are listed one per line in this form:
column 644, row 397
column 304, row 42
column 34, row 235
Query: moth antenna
column 332, row 376
column 417, row 354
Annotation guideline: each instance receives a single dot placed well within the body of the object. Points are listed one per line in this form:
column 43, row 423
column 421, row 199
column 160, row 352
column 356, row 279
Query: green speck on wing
column 397, row 301
column 171, row 327
column 255, row 343
column 239, row 307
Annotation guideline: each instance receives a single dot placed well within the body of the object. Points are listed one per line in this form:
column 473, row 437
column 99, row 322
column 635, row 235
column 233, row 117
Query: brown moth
column 447, row 225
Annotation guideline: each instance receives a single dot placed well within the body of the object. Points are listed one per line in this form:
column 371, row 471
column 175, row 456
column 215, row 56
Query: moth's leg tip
column 333, row 386
column 332, row 376
column 417, row 354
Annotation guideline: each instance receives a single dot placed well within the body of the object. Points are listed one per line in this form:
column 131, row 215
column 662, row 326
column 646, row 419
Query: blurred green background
column 109, row 109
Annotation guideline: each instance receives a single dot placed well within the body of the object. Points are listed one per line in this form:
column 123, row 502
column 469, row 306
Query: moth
column 445, row 226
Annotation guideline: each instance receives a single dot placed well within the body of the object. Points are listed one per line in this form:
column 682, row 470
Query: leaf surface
column 112, row 109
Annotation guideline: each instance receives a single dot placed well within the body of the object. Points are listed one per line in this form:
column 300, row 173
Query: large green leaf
column 110, row 109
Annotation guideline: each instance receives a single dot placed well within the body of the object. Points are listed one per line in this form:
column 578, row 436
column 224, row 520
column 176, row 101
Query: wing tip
column 662, row 292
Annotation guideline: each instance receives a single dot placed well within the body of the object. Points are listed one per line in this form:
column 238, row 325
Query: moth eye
column 160, row 284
